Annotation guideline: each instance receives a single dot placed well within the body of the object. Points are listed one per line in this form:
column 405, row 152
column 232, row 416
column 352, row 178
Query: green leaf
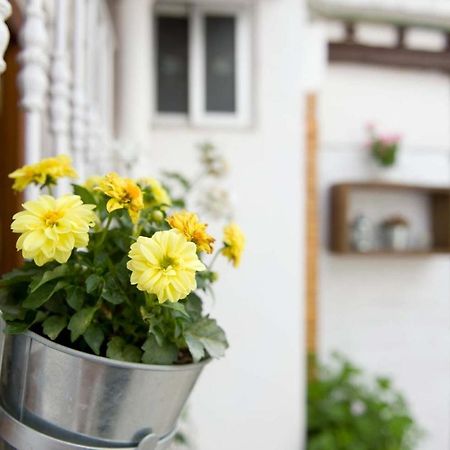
column 18, row 276
column 10, row 305
column 158, row 354
column 195, row 347
column 179, row 307
column 207, row 333
column 75, row 297
column 49, row 275
column 131, row 353
column 42, row 294
column 80, row 321
column 112, row 292
column 117, row 348
column 85, row 194
column 93, row 283
column 194, row 306
column 94, row 337
column 53, row 325
column 16, row 327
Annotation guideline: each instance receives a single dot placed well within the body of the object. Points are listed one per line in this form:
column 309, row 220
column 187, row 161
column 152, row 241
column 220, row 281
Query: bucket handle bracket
column 23, row 437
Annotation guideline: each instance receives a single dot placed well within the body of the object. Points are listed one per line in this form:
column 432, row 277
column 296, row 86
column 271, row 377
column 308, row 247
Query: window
column 202, row 64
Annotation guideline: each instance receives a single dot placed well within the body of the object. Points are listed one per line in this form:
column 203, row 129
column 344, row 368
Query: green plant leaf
column 43, row 294
column 49, row 275
column 16, row 327
column 179, row 307
column 117, row 348
column 194, row 306
column 75, row 297
column 53, row 325
column 80, row 321
column 93, row 282
column 112, row 292
column 207, row 333
column 195, row 347
column 85, row 194
column 94, row 337
column 158, row 354
column 17, row 276
column 131, row 353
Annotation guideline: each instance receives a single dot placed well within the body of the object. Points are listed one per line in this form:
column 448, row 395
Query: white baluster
column 32, row 79
column 78, row 93
column 92, row 77
column 59, row 73
column 5, row 12
column 59, row 89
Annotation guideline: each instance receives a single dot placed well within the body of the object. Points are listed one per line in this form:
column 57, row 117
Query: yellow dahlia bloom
column 234, row 240
column 45, row 172
column 52, row 227
column 92, row 182
column 123, row 193
column 159, row 195
column 193, row 230
column 164, row 265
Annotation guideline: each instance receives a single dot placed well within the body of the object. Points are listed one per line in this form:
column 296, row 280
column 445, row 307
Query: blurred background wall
column 389, row 314
column 243, row 401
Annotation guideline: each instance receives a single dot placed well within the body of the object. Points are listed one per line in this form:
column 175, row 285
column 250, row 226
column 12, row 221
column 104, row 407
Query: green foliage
column 346, row 413
column 89, row 304
column 385, row 153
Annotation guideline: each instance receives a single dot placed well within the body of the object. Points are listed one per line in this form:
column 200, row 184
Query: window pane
column 220, row 64
column 172, row 60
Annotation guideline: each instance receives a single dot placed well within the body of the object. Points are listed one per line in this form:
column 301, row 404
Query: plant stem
column 105, row 231
column 215, row 258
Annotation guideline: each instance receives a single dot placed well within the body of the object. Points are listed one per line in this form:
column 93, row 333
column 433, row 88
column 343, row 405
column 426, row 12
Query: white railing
column 67, row 81
column 5, row 11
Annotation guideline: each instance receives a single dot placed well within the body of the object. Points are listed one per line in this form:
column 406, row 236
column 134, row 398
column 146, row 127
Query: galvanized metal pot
column 86, row 400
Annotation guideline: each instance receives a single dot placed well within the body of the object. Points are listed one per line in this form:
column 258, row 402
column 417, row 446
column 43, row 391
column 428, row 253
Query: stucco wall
column 253, row 398
column 390, row 315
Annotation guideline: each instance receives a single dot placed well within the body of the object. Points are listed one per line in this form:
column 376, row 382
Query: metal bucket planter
column 56, row 398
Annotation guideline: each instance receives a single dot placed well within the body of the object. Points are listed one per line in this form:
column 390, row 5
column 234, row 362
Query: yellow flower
column 45, row 172
column 52, row 227
column 234, row 241
column 123, row 193
column 193, row 230
column 158, row 195
column 92, row 182
column 164, row 265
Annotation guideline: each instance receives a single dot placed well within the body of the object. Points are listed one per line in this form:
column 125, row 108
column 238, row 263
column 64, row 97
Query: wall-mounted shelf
column 435, row 209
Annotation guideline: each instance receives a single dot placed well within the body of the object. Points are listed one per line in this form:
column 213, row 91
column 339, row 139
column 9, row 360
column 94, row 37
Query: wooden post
column 312, row 228
column 5, row 12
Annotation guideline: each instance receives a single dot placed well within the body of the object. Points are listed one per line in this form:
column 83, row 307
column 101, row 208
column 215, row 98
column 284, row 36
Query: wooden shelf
column 439, row 211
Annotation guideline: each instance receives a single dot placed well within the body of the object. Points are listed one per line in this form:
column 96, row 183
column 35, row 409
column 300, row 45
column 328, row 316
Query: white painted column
column 59, row 74
column 78, row 89
column 134, row 72
column 5, row 12
column 32, row 78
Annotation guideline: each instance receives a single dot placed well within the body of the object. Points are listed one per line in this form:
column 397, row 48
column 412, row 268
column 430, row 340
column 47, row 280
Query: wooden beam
column 389, row 56
column 312, row 226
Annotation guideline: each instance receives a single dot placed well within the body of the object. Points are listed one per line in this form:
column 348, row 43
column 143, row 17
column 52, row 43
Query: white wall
column 390, row 315
column 254, row 397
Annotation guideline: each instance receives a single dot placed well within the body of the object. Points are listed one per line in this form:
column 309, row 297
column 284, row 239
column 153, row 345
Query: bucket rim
column 114, row 362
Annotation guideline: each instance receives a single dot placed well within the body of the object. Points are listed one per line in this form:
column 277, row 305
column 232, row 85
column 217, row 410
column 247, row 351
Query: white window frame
column 197, row 114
